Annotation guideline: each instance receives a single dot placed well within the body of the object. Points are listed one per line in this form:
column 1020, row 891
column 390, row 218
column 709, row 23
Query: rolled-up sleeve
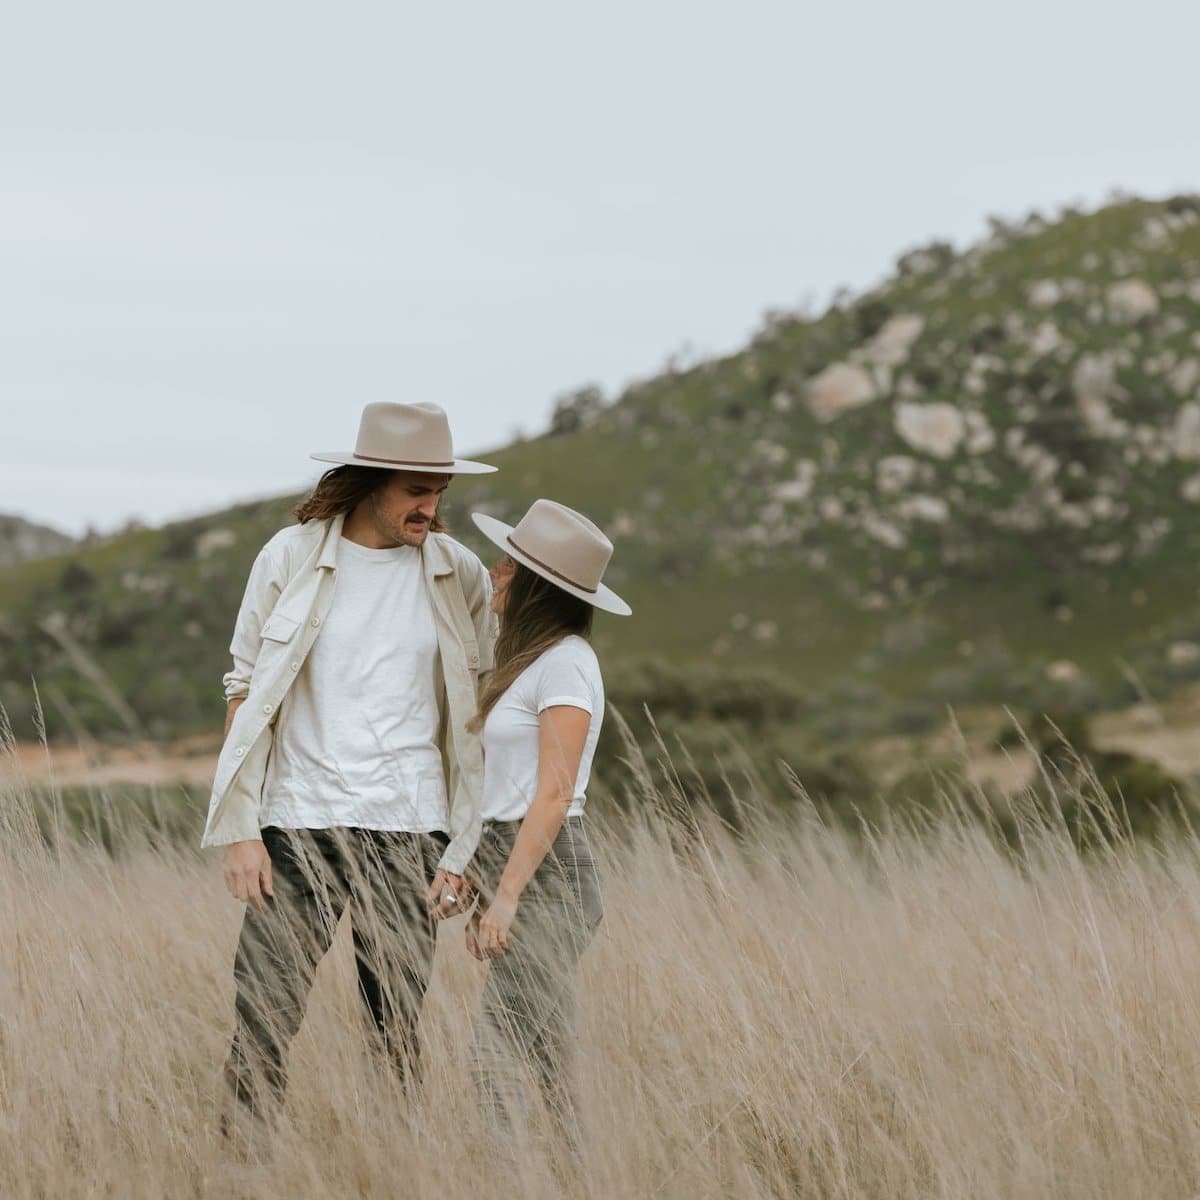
column 262, row 591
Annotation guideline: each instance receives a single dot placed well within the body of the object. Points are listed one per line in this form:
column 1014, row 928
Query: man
column 347, row 777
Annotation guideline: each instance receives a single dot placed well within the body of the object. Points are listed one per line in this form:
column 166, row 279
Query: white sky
column 226, row 227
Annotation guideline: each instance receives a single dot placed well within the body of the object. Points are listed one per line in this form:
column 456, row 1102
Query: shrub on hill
column 1097, row 794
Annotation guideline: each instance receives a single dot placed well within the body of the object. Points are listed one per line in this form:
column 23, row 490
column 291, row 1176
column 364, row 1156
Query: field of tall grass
column 793, row 1008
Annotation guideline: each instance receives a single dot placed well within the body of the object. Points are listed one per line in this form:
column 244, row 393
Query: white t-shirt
column 356, row 743
column 568, row 673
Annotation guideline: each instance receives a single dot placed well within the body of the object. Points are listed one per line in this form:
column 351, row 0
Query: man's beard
column 413, row 532
column 410, row 533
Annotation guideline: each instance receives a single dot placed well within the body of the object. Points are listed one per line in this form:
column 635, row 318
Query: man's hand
column 231, row 708
column 449, row 895
column 247, row 867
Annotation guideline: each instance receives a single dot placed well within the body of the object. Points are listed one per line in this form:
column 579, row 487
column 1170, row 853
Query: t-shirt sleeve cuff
column 569, row 701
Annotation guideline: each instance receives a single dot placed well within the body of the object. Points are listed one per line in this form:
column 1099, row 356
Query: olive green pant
column 527, row 1030
column 382, row 877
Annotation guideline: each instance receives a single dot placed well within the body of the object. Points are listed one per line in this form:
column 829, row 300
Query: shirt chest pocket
column 279, row 627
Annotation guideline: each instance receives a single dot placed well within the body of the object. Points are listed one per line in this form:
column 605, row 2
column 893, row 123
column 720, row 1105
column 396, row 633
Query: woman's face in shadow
column 502, row 573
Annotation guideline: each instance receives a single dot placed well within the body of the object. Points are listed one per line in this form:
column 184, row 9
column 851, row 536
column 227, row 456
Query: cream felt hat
column 560, row 545
column 405, row 437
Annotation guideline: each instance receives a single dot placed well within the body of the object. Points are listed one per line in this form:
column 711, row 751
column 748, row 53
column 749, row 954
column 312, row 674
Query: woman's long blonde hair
column 537, row 615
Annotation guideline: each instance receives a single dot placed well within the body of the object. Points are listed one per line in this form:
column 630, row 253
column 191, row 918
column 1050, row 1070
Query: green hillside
column 23, row 541
column 978, row 482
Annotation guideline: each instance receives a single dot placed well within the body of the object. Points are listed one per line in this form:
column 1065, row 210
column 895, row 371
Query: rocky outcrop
column 23, row 541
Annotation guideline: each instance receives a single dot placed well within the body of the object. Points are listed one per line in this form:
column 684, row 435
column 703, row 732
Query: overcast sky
column 226, row 227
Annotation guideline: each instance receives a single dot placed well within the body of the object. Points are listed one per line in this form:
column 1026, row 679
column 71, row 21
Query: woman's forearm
column 539, row 828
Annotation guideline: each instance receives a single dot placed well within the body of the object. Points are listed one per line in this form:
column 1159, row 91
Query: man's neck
column 360, row 528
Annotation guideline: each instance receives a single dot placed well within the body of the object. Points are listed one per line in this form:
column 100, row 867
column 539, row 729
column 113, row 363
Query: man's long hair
column 537, row 615
column 340, row 489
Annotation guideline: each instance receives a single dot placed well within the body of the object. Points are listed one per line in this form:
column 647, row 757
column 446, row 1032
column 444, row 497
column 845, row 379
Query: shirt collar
column 333, row 533
column 438, row 560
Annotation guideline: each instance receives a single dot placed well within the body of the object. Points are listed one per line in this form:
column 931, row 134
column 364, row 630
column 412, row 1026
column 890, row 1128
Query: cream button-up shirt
column 287, row 598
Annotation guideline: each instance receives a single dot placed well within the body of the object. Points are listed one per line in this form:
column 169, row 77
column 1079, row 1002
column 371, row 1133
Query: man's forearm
column 230, row 709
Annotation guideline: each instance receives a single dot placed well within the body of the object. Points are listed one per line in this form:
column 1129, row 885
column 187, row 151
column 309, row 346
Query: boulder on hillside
column 1185, row 438
column 1130, row 300
column 892, row 342
column 882, row 530
column 894, row 473
column 1094, row 376
column 1183, row 654
column 800, row 487
column 924, row 508
column 1045, row 293
column 1046, row 339
column 1094, row 382
column 839, row 388
column 981, row 437
column 1184, row 377
column 936, row 429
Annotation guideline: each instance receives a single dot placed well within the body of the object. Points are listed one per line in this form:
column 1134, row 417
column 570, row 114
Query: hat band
column 583, row 587
column 404, row 462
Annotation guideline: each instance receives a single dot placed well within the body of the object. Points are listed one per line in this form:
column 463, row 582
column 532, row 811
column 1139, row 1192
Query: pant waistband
column 575, row 819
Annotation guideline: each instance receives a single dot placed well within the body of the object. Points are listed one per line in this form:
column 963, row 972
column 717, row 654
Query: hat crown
column 565, row 542
column 415, row 434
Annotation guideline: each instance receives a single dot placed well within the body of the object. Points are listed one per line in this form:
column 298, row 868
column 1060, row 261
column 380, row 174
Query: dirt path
column 1168, row 735
column 189, row 761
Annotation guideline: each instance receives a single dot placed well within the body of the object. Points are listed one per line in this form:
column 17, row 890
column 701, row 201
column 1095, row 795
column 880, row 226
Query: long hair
column 537, row 615
column 339, row 490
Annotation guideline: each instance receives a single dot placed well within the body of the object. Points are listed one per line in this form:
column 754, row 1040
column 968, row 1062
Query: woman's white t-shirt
column 568, row 674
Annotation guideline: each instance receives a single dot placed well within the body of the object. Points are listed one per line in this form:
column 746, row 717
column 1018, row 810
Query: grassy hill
column 23, row 541
column 978, row 482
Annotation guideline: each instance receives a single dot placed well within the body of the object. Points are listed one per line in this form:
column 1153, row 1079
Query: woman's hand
column 473, row 947
column 495, row 924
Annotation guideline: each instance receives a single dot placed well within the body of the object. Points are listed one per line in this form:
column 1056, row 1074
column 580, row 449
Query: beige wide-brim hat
column 405, row 437
column 560, row 545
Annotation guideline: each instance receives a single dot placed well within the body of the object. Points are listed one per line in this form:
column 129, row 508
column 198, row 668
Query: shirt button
column 240, row 751
column 315, row 622
column 268, row 709
column 295, row 666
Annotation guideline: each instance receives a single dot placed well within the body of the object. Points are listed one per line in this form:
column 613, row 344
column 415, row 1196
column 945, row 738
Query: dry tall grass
column 799, row 1012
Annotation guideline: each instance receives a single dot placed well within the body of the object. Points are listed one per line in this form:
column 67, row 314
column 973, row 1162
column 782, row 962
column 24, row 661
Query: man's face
column 404, row 508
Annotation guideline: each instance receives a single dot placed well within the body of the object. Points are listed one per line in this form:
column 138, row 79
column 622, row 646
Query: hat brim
column 603, row 597
column 460, row 466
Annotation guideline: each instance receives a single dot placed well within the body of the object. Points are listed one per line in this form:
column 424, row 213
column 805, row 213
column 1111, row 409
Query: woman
column 540, row 717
